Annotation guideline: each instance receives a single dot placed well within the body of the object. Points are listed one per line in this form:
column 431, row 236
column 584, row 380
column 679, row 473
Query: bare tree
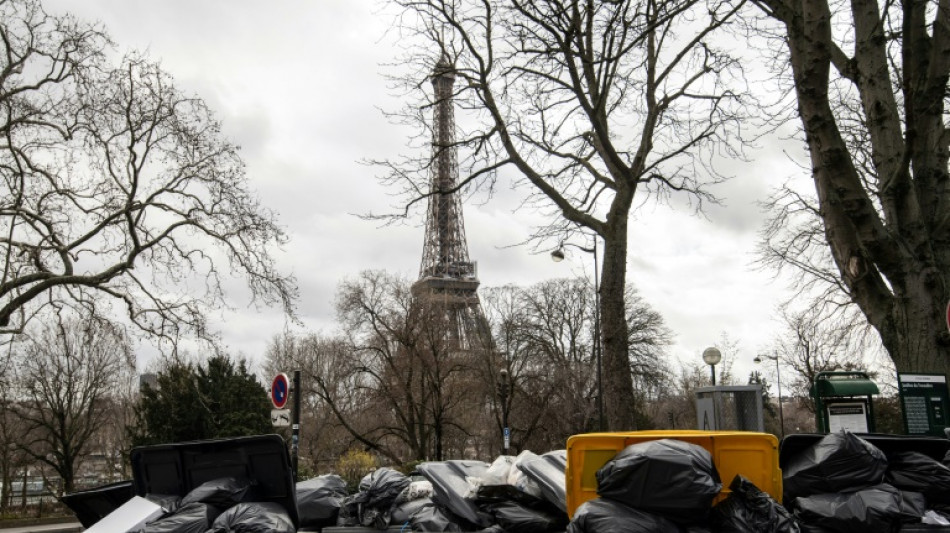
column 117, row 186
column 410, row 387
column 595, row 105
column 871, row 85
column 320, row 359
column 67, row 371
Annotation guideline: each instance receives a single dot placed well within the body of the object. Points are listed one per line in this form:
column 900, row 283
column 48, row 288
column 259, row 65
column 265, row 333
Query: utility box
column 843, row 402
column 730, row 408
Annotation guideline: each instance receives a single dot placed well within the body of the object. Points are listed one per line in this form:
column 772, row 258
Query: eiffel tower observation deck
column 447, row 276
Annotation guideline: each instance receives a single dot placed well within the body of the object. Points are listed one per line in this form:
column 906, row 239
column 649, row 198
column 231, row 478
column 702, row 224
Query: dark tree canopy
column 192, row 401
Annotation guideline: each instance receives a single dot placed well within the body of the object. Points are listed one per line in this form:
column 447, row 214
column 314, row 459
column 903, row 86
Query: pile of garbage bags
column 523, row 494
column 840, row 484
column 222, row 505
column 845, row 484
column 661, row 486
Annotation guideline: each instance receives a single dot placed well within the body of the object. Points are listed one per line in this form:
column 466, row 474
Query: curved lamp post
column 557, row 256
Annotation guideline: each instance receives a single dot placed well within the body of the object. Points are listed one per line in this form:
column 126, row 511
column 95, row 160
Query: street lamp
column 503, row 391
column 557, row 256
column 778, row 379
column 712, row 356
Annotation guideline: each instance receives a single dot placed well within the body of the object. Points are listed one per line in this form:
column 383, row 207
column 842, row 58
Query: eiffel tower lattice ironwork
column 448, row 279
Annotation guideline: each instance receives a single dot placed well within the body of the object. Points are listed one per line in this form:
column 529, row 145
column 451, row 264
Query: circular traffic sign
column 279, row 391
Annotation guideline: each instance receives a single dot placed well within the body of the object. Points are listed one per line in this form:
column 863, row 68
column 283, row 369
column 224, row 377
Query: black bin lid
column 92, row 505
column 176, row 469
column 935, row 447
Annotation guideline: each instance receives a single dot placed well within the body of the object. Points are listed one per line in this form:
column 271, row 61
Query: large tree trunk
column 891, row 239
column 618, row 401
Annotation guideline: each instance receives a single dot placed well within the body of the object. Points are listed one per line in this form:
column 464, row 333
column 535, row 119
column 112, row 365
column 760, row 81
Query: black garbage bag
column 349, row 514
column 378, row 493
column 222, row 492
column 913, row 507
column 750, row 510
column 401, row 512
column 547, row 472
column 380, row 488
column 452, row 486
column 914, row 471
column 839, row 462
column 319, row 500
column 192, row 518
column 514, row 517
column 671, row 478
column 436, row 519
column 169, row 502
column 254, row 517
column 872, row 510
column 602, row 515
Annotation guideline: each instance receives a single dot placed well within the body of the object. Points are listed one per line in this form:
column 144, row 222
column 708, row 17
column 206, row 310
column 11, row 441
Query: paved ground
column 69, row 527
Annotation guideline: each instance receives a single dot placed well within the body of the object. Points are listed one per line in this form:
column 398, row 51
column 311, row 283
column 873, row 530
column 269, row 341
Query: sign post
column 924, row 401
column 295, row 443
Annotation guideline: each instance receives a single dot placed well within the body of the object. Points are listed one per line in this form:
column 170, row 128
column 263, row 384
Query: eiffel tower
column 448, row 279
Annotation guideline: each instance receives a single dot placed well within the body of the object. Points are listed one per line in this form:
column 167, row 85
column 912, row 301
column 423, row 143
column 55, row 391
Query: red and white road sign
column 279, row 391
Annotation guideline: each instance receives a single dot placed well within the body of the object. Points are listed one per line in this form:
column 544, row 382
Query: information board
column 924, row 401
column 850, row 416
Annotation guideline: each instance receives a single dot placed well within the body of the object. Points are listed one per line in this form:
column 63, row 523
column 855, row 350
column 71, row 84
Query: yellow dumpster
column 753, row 455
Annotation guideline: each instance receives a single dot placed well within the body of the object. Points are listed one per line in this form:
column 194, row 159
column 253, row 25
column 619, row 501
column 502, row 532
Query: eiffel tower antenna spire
column 447, row 276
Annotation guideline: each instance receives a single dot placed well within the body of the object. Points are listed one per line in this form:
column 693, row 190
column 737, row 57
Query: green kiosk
column 843, row 402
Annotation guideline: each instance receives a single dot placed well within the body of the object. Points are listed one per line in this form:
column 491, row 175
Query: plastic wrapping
column 254, row 517
column 402, row 512
column 450, row 485
column 913, row 506
column 518, row 479
column 749, row 510
column 872, row 510
column 499, row 470
column 434, row 519
column 191, row 518
column 839, row 462
column 601, row 515
column 514, row 517
column 222, row 492
column 417, row 490
column 372, row 505
column 380, row 488
column 668, row 477
column 169, row 502
column 319, row 500
column 547, row 473
column 914, row 471
column 349, row 513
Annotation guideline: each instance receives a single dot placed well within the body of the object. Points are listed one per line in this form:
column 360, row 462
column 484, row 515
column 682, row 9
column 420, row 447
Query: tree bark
column 889, row 235
column 618, row 382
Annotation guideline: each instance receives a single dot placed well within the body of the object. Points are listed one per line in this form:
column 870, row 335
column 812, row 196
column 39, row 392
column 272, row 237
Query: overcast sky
column 298, row 84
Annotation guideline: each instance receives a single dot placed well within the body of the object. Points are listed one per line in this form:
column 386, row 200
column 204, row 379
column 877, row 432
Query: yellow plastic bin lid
column 753, row 455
